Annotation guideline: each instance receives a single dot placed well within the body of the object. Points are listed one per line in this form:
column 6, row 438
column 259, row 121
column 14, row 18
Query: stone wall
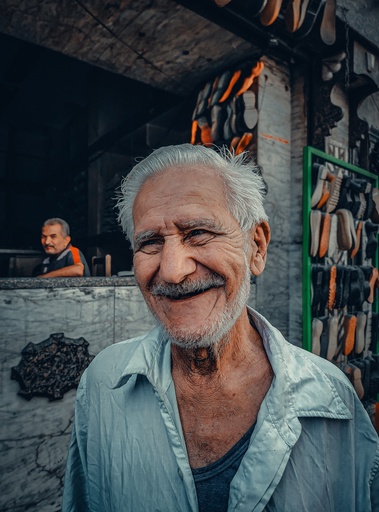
column 34, row 435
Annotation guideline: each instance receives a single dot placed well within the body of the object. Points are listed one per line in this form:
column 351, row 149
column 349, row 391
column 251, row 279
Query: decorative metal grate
column 52, row 367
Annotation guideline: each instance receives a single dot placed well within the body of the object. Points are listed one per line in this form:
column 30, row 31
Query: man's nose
column 177, row 262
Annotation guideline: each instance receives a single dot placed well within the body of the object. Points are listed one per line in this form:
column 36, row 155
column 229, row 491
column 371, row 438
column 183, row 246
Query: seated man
column 213, row 410
column 63, row 260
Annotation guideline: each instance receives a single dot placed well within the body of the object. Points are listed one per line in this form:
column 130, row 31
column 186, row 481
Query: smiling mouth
column 188, row 295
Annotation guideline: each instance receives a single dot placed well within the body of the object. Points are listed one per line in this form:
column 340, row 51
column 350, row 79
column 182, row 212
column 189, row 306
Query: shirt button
column 180, row 473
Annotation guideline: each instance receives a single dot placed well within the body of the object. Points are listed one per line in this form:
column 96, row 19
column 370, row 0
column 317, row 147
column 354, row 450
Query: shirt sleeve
column 75, row 492
column 374, row 488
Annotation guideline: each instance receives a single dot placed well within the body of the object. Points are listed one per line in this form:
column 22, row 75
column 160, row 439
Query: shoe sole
column 328, row 23
column 333, row 245
column 315, row 221
column 317, row 327
column 360, row 332
column 292, row 15
column 325, row 234
column 317, row 193
column 334, row 195
column 250, row 115
column 332, row 337
column 332, row 287
column 349, row 325
column 270, row 12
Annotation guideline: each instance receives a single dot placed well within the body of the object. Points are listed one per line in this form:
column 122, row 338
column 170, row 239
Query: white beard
column 216, row 329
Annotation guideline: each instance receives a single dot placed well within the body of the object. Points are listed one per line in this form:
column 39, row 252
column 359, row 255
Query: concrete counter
column 19, row 283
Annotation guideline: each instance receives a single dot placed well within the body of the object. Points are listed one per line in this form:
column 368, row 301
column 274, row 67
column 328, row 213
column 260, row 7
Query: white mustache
column 186, row 288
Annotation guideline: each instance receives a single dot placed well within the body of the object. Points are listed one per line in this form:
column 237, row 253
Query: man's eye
column 149, row 246
column 199, row 236
column 197, row 232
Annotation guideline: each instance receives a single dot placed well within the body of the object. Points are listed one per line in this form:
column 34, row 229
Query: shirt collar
column 294, row 369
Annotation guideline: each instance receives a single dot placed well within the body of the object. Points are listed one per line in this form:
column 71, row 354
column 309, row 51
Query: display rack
column 340, row 267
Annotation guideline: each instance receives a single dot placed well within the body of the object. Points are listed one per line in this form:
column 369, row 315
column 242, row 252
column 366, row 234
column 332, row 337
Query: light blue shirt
column 313, row 448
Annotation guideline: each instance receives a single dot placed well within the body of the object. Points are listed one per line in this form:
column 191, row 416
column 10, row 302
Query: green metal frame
column 309, row 154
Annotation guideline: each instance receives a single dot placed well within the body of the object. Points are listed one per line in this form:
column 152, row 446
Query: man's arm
column 75, row 270
column 374, row 484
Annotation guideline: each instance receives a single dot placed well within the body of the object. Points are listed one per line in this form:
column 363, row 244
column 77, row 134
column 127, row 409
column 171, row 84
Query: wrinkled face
column 191, row 257
column 53, row 240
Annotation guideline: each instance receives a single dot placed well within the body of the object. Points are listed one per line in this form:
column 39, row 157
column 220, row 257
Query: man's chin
column 205, row 336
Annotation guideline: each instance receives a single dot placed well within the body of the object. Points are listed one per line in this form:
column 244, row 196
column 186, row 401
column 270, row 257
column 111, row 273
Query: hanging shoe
column 349, row 325
column 375, row 211
column 292, row 15
column 227, row 130
column 322, row 172
column 325, row 234
column 318, row 300
column 342, row 286
column 344, row 199
column 248, row 81
column 270, row 12
column 225, row 86
column 332, row 334
column 317, row 328
column 250, row 113
column 232, row 82
column 202, row 101
column 303, row 12
column 328, row 183
column 206, row 137
column 315, row 224
column 328, row 23
column 359, row 288
column 194, row 131
column 358, row 231
column 332, row 287
column 333, row 243
column 308, row 15
column 334, row 195
column 217, row 126
column 346, row 234
column 244, row 143
column 357, row 380
column 370, row 205
column 360, row 333
column 234, row 143
column 371, row 230
column 373, row 280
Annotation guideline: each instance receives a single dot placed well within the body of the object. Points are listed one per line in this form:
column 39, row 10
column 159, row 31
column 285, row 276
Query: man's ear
column 68, row 239
column 261, row 236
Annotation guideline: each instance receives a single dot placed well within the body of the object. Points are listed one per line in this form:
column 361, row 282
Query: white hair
column 244, row 186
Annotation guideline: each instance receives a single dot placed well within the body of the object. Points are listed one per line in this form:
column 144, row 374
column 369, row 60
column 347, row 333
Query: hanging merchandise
column 226, row 111
column 340, row 268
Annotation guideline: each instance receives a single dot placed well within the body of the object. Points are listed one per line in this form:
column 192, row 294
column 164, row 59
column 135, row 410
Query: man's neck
column 241, row 344
column 219, row 392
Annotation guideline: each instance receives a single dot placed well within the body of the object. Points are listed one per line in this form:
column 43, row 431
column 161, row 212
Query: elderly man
column 213, row 410
column 63, row 260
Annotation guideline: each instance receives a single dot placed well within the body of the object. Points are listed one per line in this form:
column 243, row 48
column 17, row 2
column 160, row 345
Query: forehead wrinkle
column 182, row 225
column 197, row 223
